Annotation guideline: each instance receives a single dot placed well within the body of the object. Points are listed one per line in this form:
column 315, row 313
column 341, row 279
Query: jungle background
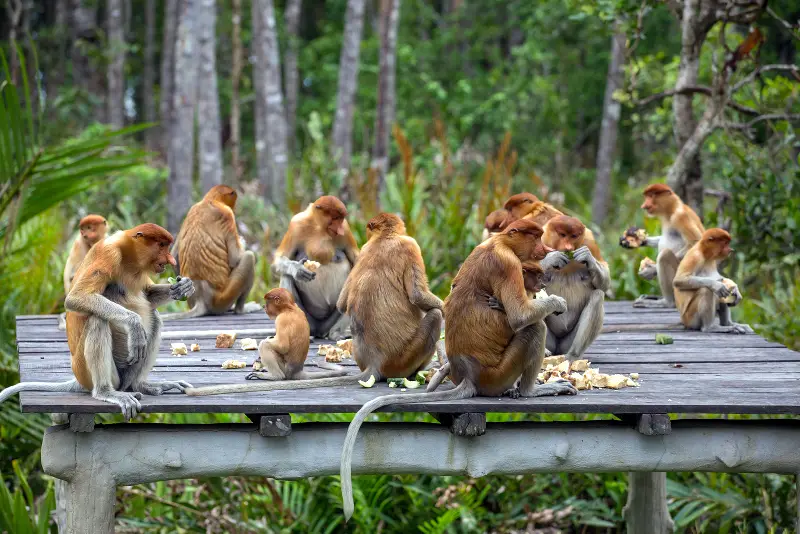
column 436, row 110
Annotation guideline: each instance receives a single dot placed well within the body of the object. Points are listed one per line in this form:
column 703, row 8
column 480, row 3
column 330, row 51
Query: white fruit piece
column 178, row 349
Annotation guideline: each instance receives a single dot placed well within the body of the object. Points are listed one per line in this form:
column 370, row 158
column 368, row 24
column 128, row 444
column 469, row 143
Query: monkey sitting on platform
column 92, row 229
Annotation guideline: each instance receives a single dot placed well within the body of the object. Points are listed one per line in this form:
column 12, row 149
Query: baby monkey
column 284, row 355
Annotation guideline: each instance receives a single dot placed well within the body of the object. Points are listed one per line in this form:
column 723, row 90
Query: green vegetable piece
column 663, row 339
column 395, row 381
column 410, row 384
column 173, row 281
column 369, row 383
column 420, row 378
column 392, row 385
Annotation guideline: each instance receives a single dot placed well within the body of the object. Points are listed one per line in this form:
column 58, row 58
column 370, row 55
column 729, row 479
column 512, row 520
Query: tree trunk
column 56, row 81
column 292, row 19
column 209, row 127
column 609, row 128
column 181, row 135
column 384, row 117
column 83, row 24
column 116, row 63
column 265, row 43
column 342, row 136
column 167, row 79
column 689, row 185
column 14, row 12
column 261, row 127
column 148, row 96
column 236, row 77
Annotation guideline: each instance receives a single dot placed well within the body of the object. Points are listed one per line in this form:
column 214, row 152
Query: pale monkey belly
column 671, row 239
column 321, row 294
column 575, row 288
column 140, row 306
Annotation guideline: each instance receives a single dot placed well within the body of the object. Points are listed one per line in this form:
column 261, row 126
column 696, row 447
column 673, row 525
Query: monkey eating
column 208, row 250
column 701, row 292
column 389, row 265
column 528, row 206
column 681, row 228
column 285, row 354
column 487, row 350
column 113, row 327
column 320, row 234
column 92, row 230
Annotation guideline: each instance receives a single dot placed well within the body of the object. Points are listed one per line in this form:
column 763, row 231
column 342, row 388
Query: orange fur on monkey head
column 495, row 222
column 330, row 212
column 148, row 248
column 528, row 206
column 715, row 244
column 278, row 300
column 93, row 228
column 659, row 200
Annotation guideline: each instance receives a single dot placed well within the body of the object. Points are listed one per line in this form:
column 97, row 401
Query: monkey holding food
column 208, row 250
column 681, row 228
column 113, row 327
column 405, row 303
column 487, row 350
column 319, row 234
column 92, row 230
column 701, row 293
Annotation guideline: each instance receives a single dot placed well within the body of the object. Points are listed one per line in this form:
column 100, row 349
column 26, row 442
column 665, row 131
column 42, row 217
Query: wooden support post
column 463, row 424
column 91, row 497
column 272, row 426
column 59, row 513
column 646, row 511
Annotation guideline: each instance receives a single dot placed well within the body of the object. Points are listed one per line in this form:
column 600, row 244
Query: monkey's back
column 377, row 297
column 472, row 328
column 291, row 326
column 202, row 243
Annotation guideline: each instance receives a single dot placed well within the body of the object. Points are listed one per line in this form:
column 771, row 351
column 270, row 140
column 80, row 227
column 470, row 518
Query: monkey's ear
column 138, row 234
column 318, row 206
column 513, row 231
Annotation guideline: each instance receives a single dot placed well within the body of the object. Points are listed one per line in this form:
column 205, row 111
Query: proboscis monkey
column 528, row 206
column 210, row 252
column 285, row 354
column 93, row 229
column 487, row 350
column 396, row 319
column 320, row 234
column 495, row 222
column 113, row 327
column 681, row 228
column 700, row 290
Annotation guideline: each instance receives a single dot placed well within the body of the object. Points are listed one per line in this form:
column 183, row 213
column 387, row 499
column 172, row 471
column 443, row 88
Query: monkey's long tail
column 278, row 385
column 464, row 390
column 69, row 385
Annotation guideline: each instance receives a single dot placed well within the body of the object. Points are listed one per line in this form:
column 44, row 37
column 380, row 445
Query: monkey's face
column 525, row 239
column 162, row 257
column 520, row 205
column 276, row 301
column 564, row 233
column 534, row 278
column 658, row 203
column 92, row 233
column 716, row 244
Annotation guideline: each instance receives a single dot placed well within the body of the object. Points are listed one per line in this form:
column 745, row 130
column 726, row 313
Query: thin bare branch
column 794, row 32
column 764, row 68
column 788, row 117
column 696, row 89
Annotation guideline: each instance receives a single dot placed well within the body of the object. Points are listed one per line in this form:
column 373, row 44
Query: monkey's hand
column 737, row 297
column 554, row 261
column 158, row 388
column 557, row 304
column 584, row 256
column 495, row 304
column 182, row 288
column 513, row 393
column 137, row 340
column 300, row 273
column 720, row 290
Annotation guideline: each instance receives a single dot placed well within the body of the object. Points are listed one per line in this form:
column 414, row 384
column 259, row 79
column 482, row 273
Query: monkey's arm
column 235, row 249
column 598, row 270
column 652, row 241
column 351, row 248
column 174, row 253
column 160, row 294
column 520, row 311
column 418, row 293
column 341, row 302
column 688, row 281
column 285, row 265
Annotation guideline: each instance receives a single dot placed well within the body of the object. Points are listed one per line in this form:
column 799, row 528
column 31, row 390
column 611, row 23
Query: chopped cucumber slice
column 369, row 383
column 410, row 384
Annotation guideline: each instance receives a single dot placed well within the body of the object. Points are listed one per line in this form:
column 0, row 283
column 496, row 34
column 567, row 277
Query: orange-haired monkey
column 495, row 222
column 113, row 327
column 528, row 206
column 93, row 229
column 389, row 266
column 701, row 292
column 681, row 228
column 210, row 252
column 510, row 345
column 320, row 234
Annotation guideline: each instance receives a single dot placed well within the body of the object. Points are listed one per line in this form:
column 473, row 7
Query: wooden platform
column 699, row 373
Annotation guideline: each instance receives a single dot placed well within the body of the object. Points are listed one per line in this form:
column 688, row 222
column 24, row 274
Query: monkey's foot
column 338, row 334
column 648, row 273
column 547, row 353
column 128, row 402
column 733, row 328
column 158, row 388
column 249, row 307
column 559, row 387
column 513, row 393
column 259, row 376
column 652, row 301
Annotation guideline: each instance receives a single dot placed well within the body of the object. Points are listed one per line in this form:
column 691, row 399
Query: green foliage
column 20, row 511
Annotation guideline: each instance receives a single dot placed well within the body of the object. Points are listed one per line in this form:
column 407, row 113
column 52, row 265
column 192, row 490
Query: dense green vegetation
column 476, row 119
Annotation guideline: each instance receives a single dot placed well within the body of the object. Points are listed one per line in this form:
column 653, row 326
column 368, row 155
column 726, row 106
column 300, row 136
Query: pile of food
column 633, row 237
column 226, row 340
column 179, row 349
column 311, row 265
column 335, row 354
column 234, row 364
column 581, row 375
